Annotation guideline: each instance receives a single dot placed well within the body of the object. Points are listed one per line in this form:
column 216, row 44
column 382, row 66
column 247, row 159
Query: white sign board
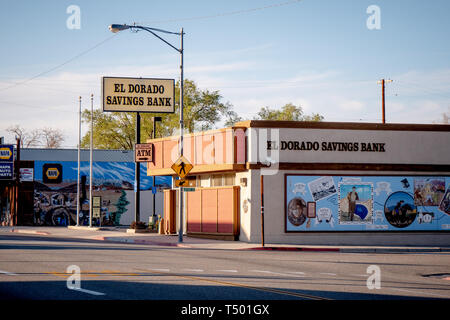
column 307, row 145
column 26, row 174
column 138, row 94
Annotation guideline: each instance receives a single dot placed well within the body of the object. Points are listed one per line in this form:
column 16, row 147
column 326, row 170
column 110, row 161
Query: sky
column 324, row 55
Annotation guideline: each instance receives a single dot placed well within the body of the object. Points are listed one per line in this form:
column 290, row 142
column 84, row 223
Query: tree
column 289, row 112
column 232, row 118
column 46, row 137
column 445, row 118
column 52, row 138
column 116, row 130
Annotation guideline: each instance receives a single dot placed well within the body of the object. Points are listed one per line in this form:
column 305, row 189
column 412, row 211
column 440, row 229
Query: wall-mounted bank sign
column 138, row 94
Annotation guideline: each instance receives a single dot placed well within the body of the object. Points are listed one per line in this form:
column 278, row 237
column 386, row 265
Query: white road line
column 275, row 273
column 328, row 274
column 297, row 273
column 8, row 273
column 226, row 270
column 193, row 270
column 95, row 293
column 162, row 270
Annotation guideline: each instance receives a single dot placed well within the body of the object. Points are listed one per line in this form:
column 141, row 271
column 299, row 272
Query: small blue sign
column 6, row 170
column 154, row 190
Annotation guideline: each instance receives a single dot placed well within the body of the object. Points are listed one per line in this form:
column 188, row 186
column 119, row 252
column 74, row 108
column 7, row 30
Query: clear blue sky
column 316, row 53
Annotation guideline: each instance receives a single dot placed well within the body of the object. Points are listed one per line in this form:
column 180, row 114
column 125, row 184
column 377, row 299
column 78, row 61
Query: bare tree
column 445, row 118
column 27, row 139
column 52, row 138
column 46, row 137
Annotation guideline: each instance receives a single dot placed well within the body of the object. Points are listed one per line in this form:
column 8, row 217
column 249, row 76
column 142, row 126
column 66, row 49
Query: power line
column 223, row 14
column 59, row 65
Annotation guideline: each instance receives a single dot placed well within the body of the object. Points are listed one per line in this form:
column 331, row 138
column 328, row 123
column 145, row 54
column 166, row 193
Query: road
column 34, row 267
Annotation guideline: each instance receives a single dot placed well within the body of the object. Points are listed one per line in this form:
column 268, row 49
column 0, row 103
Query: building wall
column 275, row 217
column 306, row 145
column 348, row 151
column 113, row 177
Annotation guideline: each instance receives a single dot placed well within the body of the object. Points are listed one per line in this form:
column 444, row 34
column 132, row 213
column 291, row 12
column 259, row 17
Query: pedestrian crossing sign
column 182, row 167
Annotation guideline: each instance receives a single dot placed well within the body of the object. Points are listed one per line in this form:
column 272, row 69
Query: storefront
column 324, row 183
column 47, row 191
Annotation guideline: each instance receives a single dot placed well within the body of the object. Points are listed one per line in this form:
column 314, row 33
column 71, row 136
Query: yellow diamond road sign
column 182, row 167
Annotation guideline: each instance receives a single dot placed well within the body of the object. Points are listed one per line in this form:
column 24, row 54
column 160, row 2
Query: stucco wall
column 274, row 217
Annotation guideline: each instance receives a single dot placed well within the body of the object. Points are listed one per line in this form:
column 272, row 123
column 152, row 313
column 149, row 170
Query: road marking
column 233, row 284
column 193, row 270
column 162, row 270
column 298, row 273
column 276, row 273
column 59, row 274
column 227, row 270
column 8, row 273
column 117, row 273
column 328, row 274
column 88, row 273
column 95, row 293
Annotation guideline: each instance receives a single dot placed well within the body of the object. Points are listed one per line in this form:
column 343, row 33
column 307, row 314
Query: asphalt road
column 41, row 268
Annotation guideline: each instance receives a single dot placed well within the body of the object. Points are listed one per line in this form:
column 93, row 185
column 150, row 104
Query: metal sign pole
column 78, row 174
column 137, row 172
column 180, row 230
column 90, row 160
column 262, row 208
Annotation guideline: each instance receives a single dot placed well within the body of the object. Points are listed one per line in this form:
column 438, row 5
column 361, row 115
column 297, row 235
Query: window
column 229, row 179
column 217, row 180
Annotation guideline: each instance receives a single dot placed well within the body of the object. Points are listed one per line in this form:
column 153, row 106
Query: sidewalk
column 119, row 234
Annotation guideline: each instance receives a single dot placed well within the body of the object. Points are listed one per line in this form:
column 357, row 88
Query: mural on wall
column 55, row 200
column 357, row 203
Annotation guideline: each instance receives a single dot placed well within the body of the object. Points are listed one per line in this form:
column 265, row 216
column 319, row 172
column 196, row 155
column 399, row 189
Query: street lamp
column 120, row 27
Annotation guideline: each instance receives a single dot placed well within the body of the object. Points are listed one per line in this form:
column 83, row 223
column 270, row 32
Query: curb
column 140, row 241
column 294, row 249
column 42, row 233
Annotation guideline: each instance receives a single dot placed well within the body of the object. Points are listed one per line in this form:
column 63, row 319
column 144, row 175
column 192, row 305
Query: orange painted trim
column 213, row 168
column 342, row 125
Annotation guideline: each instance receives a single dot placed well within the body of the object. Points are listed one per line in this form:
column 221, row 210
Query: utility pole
column 180, row 230
column 91, row 179
column 79, row 158
column 382, row 81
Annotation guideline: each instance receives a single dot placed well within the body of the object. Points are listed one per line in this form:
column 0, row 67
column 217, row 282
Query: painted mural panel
column 55, row 201
column 358, row 203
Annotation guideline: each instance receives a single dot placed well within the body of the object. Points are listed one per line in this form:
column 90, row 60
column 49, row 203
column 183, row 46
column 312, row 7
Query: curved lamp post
column 120, row 27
